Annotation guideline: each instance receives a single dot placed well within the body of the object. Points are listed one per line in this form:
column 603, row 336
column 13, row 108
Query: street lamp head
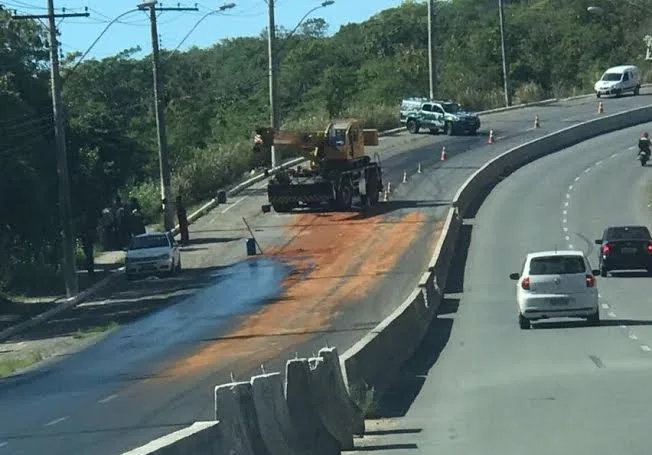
column 146, row 5
column 595, row 10
column 226, row 6
column 327, row 2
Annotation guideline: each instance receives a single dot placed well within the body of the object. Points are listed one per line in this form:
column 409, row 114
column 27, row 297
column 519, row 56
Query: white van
column 619, row 80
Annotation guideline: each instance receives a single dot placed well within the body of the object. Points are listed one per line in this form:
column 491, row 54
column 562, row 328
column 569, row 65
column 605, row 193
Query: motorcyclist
column 644, row 144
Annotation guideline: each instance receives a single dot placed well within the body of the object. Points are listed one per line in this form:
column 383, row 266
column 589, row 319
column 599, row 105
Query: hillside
column 216, row 96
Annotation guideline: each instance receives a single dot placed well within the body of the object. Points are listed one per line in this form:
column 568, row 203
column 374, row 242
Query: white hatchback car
column 152, row 253
column 556, row 284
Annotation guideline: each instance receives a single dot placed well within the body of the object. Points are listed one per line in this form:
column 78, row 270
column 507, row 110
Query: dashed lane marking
column 605, row 306
column 632, row 336
column 570, row 187
column 577, row 178
column 567, row 195
column 587, row 170
column 3, row 444
column 612, row 314
column 56, row 421
column 109, row 398
column 566, row 204
column 567, row 238
column 597, row 163
column 645, row 347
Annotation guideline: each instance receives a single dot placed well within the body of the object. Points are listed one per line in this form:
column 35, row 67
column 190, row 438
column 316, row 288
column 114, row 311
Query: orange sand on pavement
column 338, row 258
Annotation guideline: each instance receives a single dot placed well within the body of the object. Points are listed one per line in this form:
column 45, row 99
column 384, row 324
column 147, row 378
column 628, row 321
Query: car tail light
column 590, row 281
column 606, row 248
column 649, row 247
column 525, row 283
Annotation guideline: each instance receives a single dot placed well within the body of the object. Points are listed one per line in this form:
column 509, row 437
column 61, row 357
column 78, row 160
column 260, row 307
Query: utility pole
column 271, row 49
column 65, row 207
column 159, row 93
column 508, row 95
column 431, row 49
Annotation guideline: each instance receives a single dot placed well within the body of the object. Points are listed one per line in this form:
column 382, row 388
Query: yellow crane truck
column 339, row 174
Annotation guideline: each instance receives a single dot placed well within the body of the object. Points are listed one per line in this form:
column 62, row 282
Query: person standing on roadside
column 183, row 221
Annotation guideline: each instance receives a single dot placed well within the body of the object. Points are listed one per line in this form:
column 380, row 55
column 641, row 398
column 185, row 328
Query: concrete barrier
column 334, row 416
column 394, row 341
column 235, row 409
column 314, row 437
column 199, row 438
column 273, row 416
column 331, row 356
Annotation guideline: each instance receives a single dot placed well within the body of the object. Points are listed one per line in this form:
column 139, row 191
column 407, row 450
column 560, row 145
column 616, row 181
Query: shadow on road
column 569, row 324
column 121, row 302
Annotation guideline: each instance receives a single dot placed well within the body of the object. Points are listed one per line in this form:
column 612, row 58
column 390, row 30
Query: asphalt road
column 107, row 399
column 563, row 387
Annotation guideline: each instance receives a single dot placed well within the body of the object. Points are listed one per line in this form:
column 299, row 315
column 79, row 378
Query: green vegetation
column 13, row 364
column 90, row 332
column 215, row 97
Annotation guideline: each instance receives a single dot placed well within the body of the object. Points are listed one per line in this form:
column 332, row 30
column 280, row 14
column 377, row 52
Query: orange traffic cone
column 443, row 155
column 536, row 122
column 491, row 137
column 600, row 108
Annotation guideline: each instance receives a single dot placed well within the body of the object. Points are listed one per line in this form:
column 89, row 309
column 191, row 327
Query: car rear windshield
column 150, row 241
column 557, row 265
column 630, row 233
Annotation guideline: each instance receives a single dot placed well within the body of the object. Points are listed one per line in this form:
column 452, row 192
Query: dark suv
column 625, row 248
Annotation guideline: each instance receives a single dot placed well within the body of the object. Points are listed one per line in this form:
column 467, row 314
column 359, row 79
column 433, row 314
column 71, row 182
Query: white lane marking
column 109, row 398
column 566, row 204
column 56, row 421
column 605, row 306
column 632, row 147
column 600, row 296
column 645, row 347
column 3, row 444
column 587, row 170
column 564, row 221
column 570, row 187
column 598, row 163
column 623, row 326
column 234, row 204
column 614, row 155
column 565, row 212
column 567, row 238
column 565, row 229
column 571, row 246
column 612, row 314
column 633, row 336
column 577, row 178
column 567, row 196
column 500, row 137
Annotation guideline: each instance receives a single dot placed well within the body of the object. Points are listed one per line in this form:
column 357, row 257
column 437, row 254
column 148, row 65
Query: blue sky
column 249, row 17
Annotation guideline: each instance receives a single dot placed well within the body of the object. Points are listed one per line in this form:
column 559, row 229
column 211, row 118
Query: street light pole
column 163, row 152
column 508, row 96
column 431, row 49
column 271, row 45
column 271, row 55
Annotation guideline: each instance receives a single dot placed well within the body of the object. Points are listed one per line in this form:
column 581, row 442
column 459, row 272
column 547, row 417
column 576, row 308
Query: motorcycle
column 643, row 157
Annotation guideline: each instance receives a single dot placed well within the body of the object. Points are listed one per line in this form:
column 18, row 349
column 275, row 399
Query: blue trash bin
column 251, row 247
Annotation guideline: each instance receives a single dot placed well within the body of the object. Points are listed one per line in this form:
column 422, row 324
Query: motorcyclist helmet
column 646, row 135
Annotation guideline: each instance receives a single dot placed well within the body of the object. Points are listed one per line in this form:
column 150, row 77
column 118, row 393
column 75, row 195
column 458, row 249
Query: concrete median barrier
column 273, row 416
column 394, row 341
column 236, row 412
column 199, row 438
column 331, row 357
column 300, row 396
